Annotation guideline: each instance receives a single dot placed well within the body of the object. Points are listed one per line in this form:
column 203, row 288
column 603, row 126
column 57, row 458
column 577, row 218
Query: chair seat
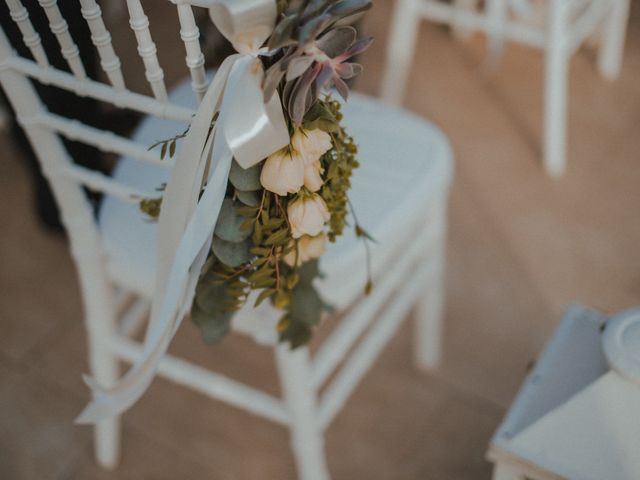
column 406, row 163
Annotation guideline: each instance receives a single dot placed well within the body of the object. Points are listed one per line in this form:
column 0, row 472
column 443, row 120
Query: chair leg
column 463, row 33
column 400, row 50
column 506, row 472
column 556, row 85
column 427, row 349
column 613, row 37
column 307, row 439
column 100, row 322
column 106, row 434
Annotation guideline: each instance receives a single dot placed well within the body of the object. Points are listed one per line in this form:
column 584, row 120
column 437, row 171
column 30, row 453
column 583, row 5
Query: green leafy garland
column 264, row 240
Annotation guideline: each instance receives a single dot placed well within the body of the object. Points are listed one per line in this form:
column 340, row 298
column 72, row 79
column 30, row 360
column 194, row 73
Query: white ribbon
column 248, row 130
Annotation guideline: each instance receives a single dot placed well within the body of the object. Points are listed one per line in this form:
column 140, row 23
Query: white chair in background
column 559, row 27
column 577, row 416
column 400, row 194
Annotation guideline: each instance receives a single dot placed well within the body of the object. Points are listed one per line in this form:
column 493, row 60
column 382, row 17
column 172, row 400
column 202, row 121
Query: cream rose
column 283, row 172
column 311, row 144
column 307, row 216
column 308, row 249
column 312, row 176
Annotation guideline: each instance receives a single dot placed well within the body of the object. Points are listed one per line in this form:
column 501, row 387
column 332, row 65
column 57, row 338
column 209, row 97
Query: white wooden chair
column 400, row 194
column 576, row 415
column 560, row 28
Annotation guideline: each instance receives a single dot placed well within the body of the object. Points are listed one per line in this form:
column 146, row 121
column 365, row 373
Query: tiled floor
column 521, row 248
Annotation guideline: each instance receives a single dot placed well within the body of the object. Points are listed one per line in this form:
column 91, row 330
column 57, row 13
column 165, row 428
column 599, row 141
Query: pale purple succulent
column 315, row 53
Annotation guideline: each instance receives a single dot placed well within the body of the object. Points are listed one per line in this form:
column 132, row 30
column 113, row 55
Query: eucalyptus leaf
column 246, row 180
column 249, row 198
column 297, row 334
column 213, row 326
column 308, row 271
column 210, row 295
column 232, row 254
column 230, row 221
column 306, row 305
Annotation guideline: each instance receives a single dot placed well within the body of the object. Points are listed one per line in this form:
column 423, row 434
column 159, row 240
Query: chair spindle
column 20, row 16
column 101, row 38
column 60, row 29
column 147, row 49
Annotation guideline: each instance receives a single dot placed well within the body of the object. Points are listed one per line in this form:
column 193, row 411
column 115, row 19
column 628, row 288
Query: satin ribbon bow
column 246, row 129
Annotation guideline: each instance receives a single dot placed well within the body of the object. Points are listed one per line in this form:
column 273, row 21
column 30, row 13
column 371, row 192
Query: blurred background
column 522, row 247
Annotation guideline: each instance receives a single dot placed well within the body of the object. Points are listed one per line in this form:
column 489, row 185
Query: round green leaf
column 232, row 254
column 249, row 198
column 246, row 180
column 229, row 222
column 213, row 326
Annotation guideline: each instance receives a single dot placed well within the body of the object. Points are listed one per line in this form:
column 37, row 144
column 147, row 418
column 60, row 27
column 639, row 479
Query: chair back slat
column 195, row 58
column 45, row 129
column 20, row 16
column 100, row 91
column 104, row 141
column 147, row 49
column 101, row 38
column 60, row 29
column 100, row 182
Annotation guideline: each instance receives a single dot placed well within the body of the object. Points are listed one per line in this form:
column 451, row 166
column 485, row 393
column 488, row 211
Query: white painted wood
column 195, row 59
column 132, row 320
column 77, row 217
column 556, row 73
column 574, row 416
column 430, row 305
column 612, row 47
column 586, row 24
column 441, row 12
column 212, row 384
column 307, row 440
column 334, row 349
column 621, row 344
column 100, row 91
column 20, row 15
column 101, row 139
column 147, row 49
column 568, row 25
column 461, row 6
column 101, row 38
column 68, row 47
column 400, row 50
column 366, row 353
column 507, row 472
column 99, row 182
column 424, row 179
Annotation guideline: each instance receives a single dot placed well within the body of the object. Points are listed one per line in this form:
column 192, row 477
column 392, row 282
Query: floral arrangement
column 278, row 215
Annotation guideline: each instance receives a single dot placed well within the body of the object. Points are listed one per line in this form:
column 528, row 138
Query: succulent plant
column 309, row 50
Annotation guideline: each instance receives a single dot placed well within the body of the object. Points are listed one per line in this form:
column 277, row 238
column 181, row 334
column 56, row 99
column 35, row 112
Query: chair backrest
column 44, row 129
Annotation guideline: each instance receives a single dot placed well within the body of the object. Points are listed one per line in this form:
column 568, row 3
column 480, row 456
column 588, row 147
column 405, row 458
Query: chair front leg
column 430, row 306
column 100, row 323
column 400, row 49
column 307, row 439
column 613, row 37
column 556, row 85
column 461, row 6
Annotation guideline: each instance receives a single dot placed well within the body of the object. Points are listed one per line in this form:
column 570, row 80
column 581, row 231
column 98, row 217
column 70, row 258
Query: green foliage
column 246, row 180
column 151, row 206
column 230, row 222
column 252, row 236
column 339, row 163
